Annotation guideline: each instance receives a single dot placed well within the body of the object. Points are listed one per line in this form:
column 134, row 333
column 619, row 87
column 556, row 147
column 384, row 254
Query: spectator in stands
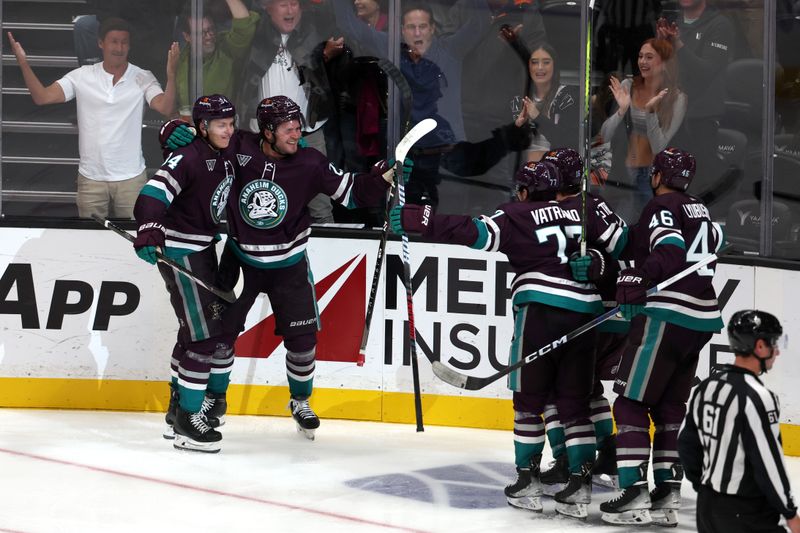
column 650, row 108
column 373, row 12
column 223, row 53
column 492, row 68
column 359, row 88
column 152, row 22
column 110, row 99
column 550, row 109
column 432, row 65
column 287, row 58
column 701, row 38
column 356, row 131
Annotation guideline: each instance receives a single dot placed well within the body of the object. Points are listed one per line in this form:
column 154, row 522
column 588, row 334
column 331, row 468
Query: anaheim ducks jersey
column 269, row 221
column 188, row 195
column 674, row 231
column 538, row 238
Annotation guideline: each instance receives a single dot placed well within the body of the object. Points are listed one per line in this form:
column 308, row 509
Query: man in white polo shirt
column 110, row 100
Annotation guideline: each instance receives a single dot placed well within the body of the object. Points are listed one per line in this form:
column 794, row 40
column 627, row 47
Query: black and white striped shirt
column 730, row 440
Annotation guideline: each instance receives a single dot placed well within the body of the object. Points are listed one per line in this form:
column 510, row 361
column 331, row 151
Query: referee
column 730, row 442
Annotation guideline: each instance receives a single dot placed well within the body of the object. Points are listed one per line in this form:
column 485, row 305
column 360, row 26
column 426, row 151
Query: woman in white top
column 550, row 110
column 652, row 109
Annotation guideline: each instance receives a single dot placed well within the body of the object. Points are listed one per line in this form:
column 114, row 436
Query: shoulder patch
column 243, row 159
column 210, row 164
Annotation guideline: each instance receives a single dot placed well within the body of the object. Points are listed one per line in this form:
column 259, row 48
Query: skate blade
column 637, row 517
column 573, row 510
column 605, row 480
column 168, row 433
column 664, row 517
column 552, row 490
column 529, row 503
column 307, row 433
column 185, row 443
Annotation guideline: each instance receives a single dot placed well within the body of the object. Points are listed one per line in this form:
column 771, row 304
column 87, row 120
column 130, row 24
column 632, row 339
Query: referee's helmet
column 746, row 327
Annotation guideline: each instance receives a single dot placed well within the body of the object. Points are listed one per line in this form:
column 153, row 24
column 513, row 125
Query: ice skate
column 574, row 499
column 555, row 478
column 630, row 507
column 526, row 491
column 307, row 421
column 193, row 433
column 665, row 499
column 169, row 418
column 214, row 407
column 605, row 466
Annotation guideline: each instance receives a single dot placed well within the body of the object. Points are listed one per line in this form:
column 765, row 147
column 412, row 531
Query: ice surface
column 87, row 471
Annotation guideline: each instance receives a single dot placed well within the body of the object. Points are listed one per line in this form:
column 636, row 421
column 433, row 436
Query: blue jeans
column 84, row 34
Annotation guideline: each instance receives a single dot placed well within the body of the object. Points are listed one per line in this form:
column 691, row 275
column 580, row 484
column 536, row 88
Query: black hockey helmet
column 538, row 179
column 211, row 107
column 676, row 166
column 275, row 110
column 746, row 327
column 570, row 166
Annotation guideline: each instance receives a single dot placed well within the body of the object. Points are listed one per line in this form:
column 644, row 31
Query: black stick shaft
column 227, row 296
column 400, row 82
column 457, row 379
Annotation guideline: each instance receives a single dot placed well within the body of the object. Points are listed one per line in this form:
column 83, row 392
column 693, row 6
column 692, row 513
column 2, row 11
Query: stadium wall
column 86, row 325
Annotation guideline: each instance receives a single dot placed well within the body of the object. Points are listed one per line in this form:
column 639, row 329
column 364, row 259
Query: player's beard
column 274, row 146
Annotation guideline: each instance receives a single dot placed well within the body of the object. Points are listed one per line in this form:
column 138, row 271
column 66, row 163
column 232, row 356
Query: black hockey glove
column 631, row 292
column 410, row 218
column 149, row 239
column 589, row 267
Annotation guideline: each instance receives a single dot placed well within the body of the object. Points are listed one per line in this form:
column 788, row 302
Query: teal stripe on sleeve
column 153, row 192
column 483, row 234
column 674, row 241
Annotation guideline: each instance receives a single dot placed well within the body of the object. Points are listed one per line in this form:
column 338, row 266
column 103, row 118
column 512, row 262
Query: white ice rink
column 87, row 471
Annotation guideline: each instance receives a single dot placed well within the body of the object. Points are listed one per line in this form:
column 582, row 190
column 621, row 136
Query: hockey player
column 178, row 212
column 269, row 228
column 668, row 330
column 538, row 235
column 598, row 268
column 730, row 442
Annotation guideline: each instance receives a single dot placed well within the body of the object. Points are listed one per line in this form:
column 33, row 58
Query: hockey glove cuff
column 631, row 292
column 175, row 134
column 410, row 218
column 149, row 239
column 385, row 169
column 589, row 267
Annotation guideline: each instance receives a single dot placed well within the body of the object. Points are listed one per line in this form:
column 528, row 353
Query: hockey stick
column 586, row 12
column 418, row 131
column 400, row 82
column 227, row 296
column 457, row 379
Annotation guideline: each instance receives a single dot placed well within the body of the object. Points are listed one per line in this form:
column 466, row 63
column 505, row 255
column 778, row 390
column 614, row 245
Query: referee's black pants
column 723, row 513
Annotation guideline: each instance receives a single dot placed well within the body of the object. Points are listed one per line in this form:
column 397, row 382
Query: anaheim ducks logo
column 263, row 204
column 219, row 199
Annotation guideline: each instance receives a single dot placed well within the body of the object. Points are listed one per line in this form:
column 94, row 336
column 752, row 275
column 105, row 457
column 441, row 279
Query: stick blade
column 421, row 129
column 448, row 375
